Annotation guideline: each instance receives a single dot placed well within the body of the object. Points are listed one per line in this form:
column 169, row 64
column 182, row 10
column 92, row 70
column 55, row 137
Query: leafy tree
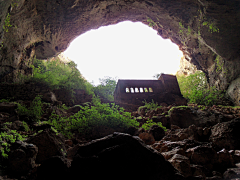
column 57, row 74
column 195, row 88
column 106, row 88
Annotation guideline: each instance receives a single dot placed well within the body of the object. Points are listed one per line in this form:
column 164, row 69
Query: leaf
column 205, row 23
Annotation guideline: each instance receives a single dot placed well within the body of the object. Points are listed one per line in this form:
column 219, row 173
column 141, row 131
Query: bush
column 34, row 112
column 196, row 90
column 151, row 105
column 6, row 139
column 100, row 114
column 150, row 123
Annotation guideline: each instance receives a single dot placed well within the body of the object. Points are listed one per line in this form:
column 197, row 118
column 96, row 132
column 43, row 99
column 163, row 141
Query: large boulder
column 49, row 144
column 124, row 156
column 203, row 155
column 181, row 163
column 21, row 158
column 185, row 116
column 192, row 133
column 226, row 135
column 157, row 132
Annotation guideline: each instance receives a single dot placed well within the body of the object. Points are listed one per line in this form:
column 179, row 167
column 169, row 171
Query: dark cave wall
column 205, row 30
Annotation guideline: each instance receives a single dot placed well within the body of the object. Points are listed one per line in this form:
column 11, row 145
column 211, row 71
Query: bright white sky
column 126, row 50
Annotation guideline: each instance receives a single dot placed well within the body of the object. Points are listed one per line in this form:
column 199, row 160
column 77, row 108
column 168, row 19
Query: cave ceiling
column 205, row 30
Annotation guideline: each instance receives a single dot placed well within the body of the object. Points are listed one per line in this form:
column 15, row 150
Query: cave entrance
column 127, row 50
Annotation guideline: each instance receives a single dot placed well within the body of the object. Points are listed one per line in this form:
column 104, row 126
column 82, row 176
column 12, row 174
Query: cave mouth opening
column 127, row 50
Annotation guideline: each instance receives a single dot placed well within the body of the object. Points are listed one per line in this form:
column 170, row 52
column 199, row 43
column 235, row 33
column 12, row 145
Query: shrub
column 34, row 112
column 196, row 90
column 6, row 139
column 4, row 100
column 150, row 123
column 100, row 114
column 151, row 105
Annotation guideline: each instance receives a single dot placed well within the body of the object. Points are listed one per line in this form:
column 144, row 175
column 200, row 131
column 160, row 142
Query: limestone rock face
column 233, row 91
column 206, row 31
column 186, row 68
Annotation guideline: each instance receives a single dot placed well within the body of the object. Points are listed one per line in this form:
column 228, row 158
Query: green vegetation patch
column 6, row 139
column 106, row 88
column 179, row 108
column 151, row 105
column 61, row 75
column 57, row 74
column 100, row 114
column 34, row 112
column 146, row 126
column 196, row 90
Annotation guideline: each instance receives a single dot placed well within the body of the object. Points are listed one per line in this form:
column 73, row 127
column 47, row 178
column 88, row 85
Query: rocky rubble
column 206, row 149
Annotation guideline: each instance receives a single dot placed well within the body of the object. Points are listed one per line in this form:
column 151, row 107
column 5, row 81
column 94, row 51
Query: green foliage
column 182, row 33
column 4, row 100
column 57, row 74
column 219, row 66
column 100, row 114
column 151, row 22
column 14, row 4
column 151, row 105
column 26, row 127
column 7, row 23
column 181, row 29
column 6, row 139
column 150, row 123
column 106, row 88
column 212, row 27
column 177, row 107
column 63, row 107
column 34, row 112
column 195, row 88
column 189, row 30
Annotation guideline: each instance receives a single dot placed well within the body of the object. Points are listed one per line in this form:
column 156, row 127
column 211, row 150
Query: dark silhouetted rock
column 231, row 174
column 123, row 157
column 182, row 164
column 186, row 116
column 226, row 135
column 204, row 155
column 157, row 132
column 49, row 144
column 147, row 138
column 8, row 107
column 54, row 168
column 21, row 158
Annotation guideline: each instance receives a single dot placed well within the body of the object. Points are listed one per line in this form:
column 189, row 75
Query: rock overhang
column 205, row 31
